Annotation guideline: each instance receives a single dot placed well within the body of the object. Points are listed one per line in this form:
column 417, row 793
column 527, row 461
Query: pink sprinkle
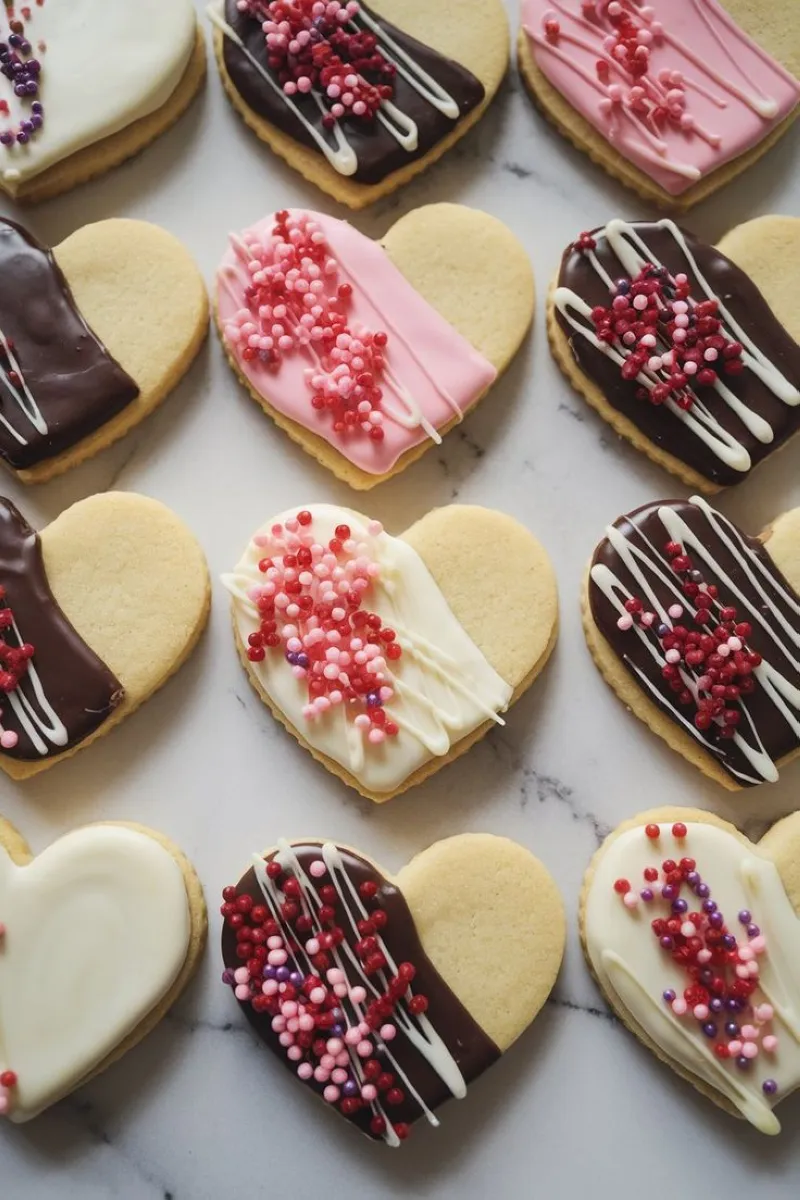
column 679, row 1006
column 750, row 1050
column 770, row 1043
column 241, row 975
column 305, row 1070
column 388, row 1032
column 242, row 992
column 318, row 869
column 369, row 1092
column 331, row 1094
column 364, row 1049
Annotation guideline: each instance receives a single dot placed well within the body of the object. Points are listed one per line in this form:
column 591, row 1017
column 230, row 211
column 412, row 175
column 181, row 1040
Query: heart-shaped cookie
column 696, row 627
column 96, row 613
column 372, row 989
column 384, row 656
column 687, row 350
column 691, row 932
column 93, row 336
column 359, row 99
column 367, row 353
column 676, row 97
column 119, row 889
column 61, row 125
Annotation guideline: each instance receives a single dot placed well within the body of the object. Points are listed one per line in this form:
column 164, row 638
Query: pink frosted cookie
column 366, row 353
column 674, row 97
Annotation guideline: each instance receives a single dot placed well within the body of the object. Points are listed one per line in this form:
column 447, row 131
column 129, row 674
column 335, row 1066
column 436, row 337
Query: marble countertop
column 199, row 1110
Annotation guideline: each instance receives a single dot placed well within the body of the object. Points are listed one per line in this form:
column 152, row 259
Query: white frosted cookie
column 114, row 317
column 113, row 916
column 704, row 375
column 360, row 98
column 675, row 97
column 372, row 988
column 691, row 932
column 696, row 627
column 62, row 125
column 96, row 613
column 368, row 353
column 385, row 656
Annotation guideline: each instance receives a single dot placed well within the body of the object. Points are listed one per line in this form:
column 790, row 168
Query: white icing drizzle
column 41, row 726
column 633, row 253
column 20, row 393
column 418, row 1029
column 342, row 157
column 444, row 687
column 633, row 970
column 643, row 558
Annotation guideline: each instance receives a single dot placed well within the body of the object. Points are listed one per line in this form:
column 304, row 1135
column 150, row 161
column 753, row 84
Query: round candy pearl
column 679, row 1006
column 305, row 1070
column 769, row 1087
column 765, row 1012
column 630, row 900
column 317, row 868
column 388, row 1032
column 770, row 1043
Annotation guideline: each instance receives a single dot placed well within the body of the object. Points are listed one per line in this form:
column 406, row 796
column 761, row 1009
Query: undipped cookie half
column 121, row 887
column 673, row 97
column 691, row 931
column 359, row 99
column 366, row 353
column 373, row 989
column 696, row 627
column 93, row 336
column 100, row 79
column 388, row 657
column 96, row 613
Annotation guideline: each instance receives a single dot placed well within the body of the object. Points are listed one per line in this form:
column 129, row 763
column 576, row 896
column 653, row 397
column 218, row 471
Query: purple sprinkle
column 646, row 895
column 679, row 906
column 742, row 1062
column 769, row 1087
column 732, row 1029
column 693, row 879
column 269, row 972
column 710, row 1029
column 668, row 892
column 709, row 906
column 729, row 941
column 669, row 996
column 732, row 1004
column 227, row 977
column 753, row 931
column 667, row 942
column 350, row 1088
column 295, row 979
column 6, row 138
column 716, row 1005
column 716, row 920
column 23, row 137
column 745, row 917
column 282, row 974
column 706, row 976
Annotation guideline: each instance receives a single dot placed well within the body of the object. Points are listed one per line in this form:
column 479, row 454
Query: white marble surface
column 199, row 1110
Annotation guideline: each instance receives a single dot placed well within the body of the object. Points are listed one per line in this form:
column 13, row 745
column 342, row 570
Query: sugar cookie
column 675, row 97
column 367, row 353
column 696, row 627
column 691, row 932
column 362, row 98
column 112, row 319
column 62, row 125
column 373, row 989
column 386, row 657
column 96, row 613
column 100, row 935
column 688, row 355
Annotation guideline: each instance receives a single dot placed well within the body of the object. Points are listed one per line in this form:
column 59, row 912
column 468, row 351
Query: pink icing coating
column 439, row 368
column 735, row 93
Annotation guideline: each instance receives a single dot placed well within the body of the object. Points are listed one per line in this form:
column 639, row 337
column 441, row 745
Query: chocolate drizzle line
column 470, row 1047
column 748, row 579
column 743, row 301
column 78, row 686
column 75, row 383
column 377, row 151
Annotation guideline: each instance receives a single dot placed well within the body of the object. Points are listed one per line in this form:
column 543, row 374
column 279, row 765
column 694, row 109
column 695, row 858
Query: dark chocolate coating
column 378, row 153
column 774, row 730
column 80, row 687
column 472, row 1049
column 746, row 304
column 76, row 383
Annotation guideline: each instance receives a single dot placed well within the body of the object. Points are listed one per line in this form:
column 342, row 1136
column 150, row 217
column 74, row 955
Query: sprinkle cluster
column 313, row 45
column 311, row 604
column 709, row 667
column 23, row 71
column 672, row 343
column 295, row 304
column 14, row 662
column 655, row 101
column 722, row 994
column 333, row 1031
